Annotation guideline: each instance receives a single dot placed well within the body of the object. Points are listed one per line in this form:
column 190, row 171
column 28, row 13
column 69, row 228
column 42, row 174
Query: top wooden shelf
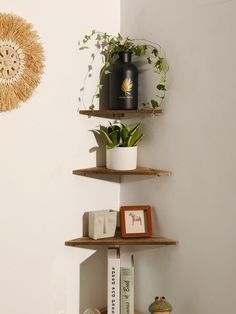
column 109, row 113
column 86, row 241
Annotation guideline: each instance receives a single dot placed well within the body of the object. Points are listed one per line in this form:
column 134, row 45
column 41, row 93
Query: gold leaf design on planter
column 127, row 86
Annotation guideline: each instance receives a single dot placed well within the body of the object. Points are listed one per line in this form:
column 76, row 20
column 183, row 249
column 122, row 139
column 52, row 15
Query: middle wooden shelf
column 138, row 171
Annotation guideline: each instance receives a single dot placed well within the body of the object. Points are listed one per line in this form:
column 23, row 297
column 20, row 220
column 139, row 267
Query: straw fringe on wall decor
column 21, row 61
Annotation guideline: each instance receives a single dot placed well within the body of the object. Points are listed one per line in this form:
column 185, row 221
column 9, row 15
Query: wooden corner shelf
column 138, row 171
column 109, row 113
column 86, row 241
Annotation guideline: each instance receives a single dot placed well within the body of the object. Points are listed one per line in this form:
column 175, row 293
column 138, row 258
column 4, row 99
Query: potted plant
column 121, row 145
column 117, row 48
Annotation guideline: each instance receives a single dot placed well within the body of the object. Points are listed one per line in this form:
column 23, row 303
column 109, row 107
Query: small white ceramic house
column 102, row 224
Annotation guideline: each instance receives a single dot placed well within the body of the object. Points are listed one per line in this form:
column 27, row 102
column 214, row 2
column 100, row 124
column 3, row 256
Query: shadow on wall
column 100, row 150
column 93, row 280
column 104, row 94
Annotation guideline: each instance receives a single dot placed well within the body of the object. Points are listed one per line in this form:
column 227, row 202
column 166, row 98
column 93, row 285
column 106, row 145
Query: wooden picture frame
column 136, row 221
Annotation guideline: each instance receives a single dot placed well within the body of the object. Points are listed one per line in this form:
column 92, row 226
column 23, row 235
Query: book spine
column 127, row 290
column 113, row 286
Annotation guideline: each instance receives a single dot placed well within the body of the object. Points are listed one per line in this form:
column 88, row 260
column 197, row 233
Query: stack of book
column 120, row 295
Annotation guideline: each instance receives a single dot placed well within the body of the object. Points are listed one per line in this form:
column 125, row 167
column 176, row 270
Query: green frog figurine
column 160, row 305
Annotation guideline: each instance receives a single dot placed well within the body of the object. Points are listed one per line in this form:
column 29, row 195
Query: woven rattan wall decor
column 21, row 61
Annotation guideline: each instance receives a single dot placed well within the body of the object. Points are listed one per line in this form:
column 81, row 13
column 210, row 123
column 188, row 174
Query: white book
column 127, row 283
column 113, row 281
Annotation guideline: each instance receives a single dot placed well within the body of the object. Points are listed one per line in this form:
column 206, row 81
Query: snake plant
column 120, row 135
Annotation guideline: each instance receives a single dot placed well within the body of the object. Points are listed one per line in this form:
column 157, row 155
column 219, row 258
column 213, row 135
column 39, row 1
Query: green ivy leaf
column 139, row 50
column 161, row 87
column 155, row 52
column 154, row 104
column 83, row 48
column 107, row 64
column 163, row 80
column 162, row 65
column 91, row 107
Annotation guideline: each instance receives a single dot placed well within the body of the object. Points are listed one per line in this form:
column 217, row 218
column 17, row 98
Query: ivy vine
column 108, row 47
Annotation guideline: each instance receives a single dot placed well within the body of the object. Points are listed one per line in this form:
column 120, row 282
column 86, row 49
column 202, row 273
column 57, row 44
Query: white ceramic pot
column 121, row 158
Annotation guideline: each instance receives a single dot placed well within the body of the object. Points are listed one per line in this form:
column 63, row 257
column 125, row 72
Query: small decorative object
column 160, row 305
column 123, row 83
column 102, row 224
column 21, row 61
column 136, row 221
column 121, row 145
column 91, row 311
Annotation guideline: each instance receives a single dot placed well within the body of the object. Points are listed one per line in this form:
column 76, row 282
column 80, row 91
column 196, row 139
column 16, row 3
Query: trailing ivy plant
column 109, row 47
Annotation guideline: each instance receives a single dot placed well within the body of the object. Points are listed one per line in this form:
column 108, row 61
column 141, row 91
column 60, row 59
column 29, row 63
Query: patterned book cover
column 127, row 288
column 113, row 281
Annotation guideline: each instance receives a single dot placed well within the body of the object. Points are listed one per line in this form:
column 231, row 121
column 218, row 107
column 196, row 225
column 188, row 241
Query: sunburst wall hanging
column 21, row 61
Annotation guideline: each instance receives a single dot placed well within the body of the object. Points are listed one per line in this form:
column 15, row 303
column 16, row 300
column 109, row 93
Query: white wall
column 41, row 201
column 195, row 138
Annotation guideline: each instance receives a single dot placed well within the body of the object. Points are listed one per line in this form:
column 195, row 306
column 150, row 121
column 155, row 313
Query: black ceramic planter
column 123, row 83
